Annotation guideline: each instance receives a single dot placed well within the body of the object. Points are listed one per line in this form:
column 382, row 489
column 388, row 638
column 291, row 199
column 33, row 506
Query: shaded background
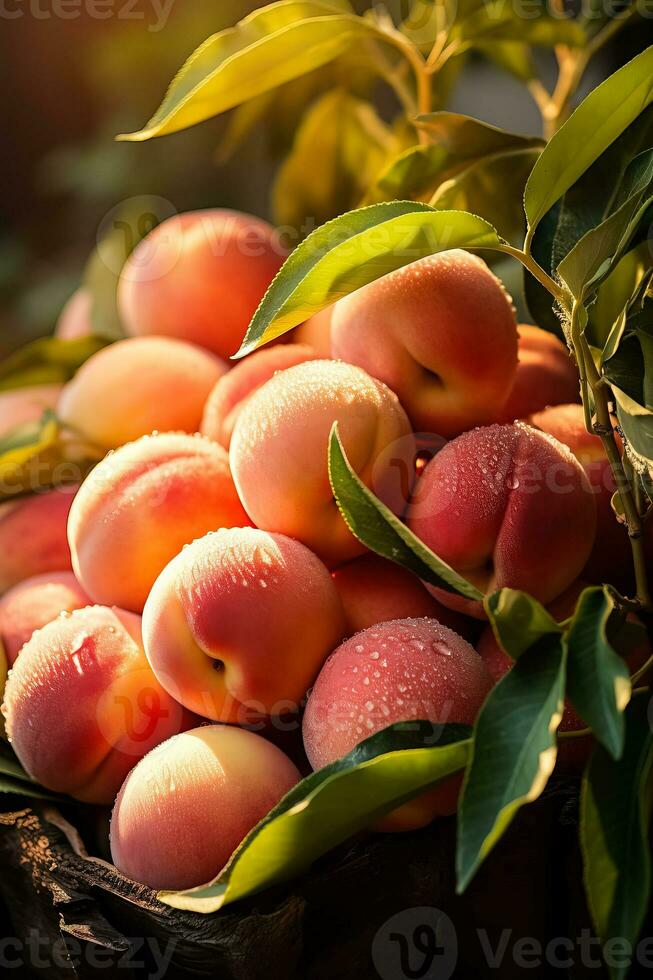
column 70, row 83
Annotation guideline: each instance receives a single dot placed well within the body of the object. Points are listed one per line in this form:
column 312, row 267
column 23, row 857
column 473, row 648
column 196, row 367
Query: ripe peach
column 75, row 319
column 136, row 386
column 546, row 375
column 506, row 506
column 33, row 535
column 4, row 668
column 441, row 333
column 33, row 604
column 227, row 399
column 22, row 405
column 316, row 332
column 188, row 804
column 407, row 670
column 241, row 621
column 82, row 705
column 140, row 506
column 200, row 277
column 611, row 558
column 373, row 590
column 279, row 451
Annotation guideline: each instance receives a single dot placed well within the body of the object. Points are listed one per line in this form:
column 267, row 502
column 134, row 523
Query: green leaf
column 48, row 360
column 512, row 56
column 331, row 805
column 458, row 142
column 514, row 751
column 614, row 830
column 377, row 528
column 596, row 123
column 518, row 621
column 493, row 188
column 598, row 679
column 271, row 46
column 500, row 20
column 342, row 144
column 354, row 250
column 597, row 253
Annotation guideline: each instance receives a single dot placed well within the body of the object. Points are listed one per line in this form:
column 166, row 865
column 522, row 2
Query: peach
column 611, row 557
column 280, row 443
column 546, row 375
column 407, row 670
column 4, row 668
column 240, row 623
column 140, row 506
column 33, row 604
column 75, row 319
column 227, row 399
column 82, row 705
column 506, row 506
column 33, row 535
column 20, row 406
column 136, row 386
column 188, row 804
column 316, row 332
column 200, row 277
column 441, row 333
column 373, row 590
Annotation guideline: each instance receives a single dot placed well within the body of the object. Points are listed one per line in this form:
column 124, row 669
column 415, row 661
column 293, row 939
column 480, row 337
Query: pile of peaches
column 194, row 626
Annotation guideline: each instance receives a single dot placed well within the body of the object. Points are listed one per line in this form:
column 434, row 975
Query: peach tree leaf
column 514, row 751
column 377, row 528
column 331, row 805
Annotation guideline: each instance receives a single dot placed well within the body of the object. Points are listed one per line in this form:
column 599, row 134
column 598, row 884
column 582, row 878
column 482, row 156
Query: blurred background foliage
column 72, row 84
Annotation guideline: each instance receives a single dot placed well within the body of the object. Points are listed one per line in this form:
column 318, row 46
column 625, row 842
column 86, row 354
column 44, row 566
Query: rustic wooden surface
column 321, row 927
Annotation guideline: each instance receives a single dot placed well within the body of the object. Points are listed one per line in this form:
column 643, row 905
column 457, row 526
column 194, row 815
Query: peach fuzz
column 611, row 557
column 140, row 506
column 200, row 277
column 22, row 405
column 136, row 386
column 34, row 603
column 240, row 623
column 187, row 805
column 82, row 705
column 373, row 590
column 280, row 443
column 441, row 333
column 506, row 506
column 230, row 394
column 407, row 670
column 546, row 375
column 33, row 536
column 75, row 319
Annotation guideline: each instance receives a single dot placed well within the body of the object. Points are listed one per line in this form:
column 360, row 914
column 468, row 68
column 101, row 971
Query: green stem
column 536, row 270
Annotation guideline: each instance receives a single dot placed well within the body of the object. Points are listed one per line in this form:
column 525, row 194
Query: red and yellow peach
column 140, row 506
column 441, row 333
column 506, row 506
column 232, row 391
column 33, row 536
column 239, row 624
column 137, row 386
column 280, row 444
column 34, row 603
column 188, row 804
column 82, row 705
column 75, row 319
column 200, row 277
column 20, row 406
column 408, row 670
column 546, row 375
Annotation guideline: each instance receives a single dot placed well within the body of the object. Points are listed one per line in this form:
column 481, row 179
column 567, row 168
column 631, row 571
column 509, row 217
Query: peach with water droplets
column 240, row 622
column 82, row 705
column 279, row 451
column 34, row 603
column 140, row 506
column 506, row 506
